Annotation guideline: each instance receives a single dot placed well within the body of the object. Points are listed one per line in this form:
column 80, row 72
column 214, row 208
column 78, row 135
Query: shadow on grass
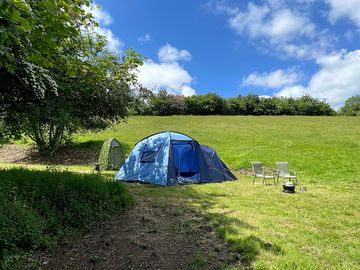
column 84, row 153
column 231, row 228
column 94, row 145
column 239, row 234
column 97, row 144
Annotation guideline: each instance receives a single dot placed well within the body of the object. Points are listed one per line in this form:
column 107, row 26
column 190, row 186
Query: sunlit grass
column 318, row 148
column 316, row 229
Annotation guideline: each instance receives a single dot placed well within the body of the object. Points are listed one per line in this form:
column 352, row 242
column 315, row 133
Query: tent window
column 149, row 153
column 148, row 156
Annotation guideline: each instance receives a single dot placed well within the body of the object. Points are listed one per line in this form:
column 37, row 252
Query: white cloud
column 345, row 9
column 168, row 53
column 337, row 79
column 103, row 18
column 163, row 75
column 167, row 74
column 113, row 43
column 145, row 38
column 276, row 79
column 293, row 91
column 100, row 15
column 349, row 35
column 219, row 7
column 187, row 91
column 277, row 26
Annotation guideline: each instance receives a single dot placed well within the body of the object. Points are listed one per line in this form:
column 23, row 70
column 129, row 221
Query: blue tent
column 168, row 158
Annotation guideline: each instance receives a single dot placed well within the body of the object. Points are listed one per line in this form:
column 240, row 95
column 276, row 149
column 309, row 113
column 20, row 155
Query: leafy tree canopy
column 352, row 106
column 56, row 75
column 164, row 103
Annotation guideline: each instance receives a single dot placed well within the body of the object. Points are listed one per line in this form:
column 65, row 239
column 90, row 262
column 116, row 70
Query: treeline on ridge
column 164, row 103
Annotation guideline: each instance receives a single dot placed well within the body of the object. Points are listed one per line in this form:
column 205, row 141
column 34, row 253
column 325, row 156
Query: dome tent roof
column 169, row 157
column 174, row 135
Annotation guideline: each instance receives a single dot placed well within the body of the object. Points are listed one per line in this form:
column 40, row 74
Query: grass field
column 319, row 149
column 316, row 229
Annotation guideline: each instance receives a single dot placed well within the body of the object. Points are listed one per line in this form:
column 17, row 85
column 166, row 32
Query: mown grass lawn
column 316, row 229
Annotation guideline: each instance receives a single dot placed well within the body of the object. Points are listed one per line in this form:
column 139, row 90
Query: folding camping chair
column 283, row 170
column 260, row 172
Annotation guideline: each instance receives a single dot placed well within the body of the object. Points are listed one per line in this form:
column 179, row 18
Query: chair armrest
column 292, row 172
column 269, row 171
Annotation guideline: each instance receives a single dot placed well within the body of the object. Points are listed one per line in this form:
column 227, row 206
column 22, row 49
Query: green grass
column 319, row 149
column 317, row 229
column 37, row 208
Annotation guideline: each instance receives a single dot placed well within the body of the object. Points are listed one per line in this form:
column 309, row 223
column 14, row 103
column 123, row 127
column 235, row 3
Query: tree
column 140, row 104
column 164, row 103
column 252, row 104
column 56, row 76
column 210, row 103
column 308, row 105
column 268, row 106
column 352, row 106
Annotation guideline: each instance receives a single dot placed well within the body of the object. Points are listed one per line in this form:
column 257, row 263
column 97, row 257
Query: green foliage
column 210, row 103
column 37, row 30
column 56, row 75
column 352, row 106
column 38, row 208
column 164, row 103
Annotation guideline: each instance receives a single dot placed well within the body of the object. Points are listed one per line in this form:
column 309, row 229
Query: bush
column 207, row 104
column 352, row 106
column 37, row 208
column 164, row 103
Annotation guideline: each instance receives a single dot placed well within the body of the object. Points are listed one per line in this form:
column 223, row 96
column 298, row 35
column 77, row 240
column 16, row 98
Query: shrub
column 210, row 103
column 37, row 208
column 352, row 106
column 164, row 103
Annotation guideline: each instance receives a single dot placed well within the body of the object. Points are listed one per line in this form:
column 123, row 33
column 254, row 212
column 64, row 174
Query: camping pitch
column 168, row 158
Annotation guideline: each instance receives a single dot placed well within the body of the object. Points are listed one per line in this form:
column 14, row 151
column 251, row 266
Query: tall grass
column 37, row 208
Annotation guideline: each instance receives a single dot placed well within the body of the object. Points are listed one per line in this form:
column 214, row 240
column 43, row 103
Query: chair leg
column 274, row 181
column 254, row 179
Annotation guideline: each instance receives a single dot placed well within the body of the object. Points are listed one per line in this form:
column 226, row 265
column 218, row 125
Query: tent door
column 185, row 161
column 115, row 157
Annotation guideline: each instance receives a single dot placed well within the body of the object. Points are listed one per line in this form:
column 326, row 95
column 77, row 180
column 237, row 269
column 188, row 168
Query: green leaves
column 352, row 106
column 56, row 76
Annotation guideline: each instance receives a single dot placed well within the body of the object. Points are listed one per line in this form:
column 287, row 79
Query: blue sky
column 269, row 47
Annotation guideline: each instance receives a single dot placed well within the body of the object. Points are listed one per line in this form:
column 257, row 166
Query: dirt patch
column 12, row 153
column 151, row 235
